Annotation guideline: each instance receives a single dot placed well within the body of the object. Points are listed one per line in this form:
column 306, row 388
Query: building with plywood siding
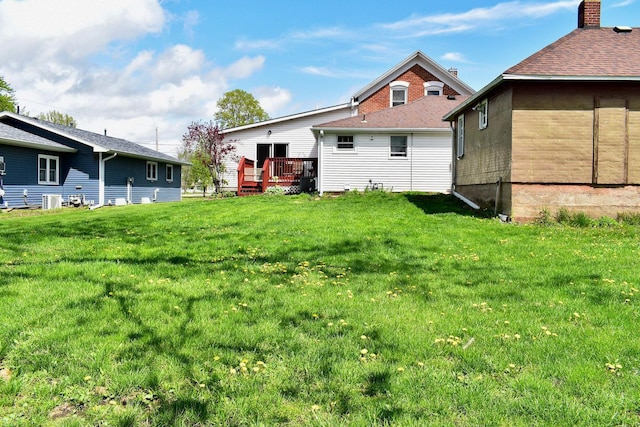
column 561, row 129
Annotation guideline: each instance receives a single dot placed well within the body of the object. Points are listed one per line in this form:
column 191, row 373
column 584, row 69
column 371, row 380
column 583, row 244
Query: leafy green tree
column 59, row 118
column 195, row 175
column 7, row 98
column 239, row 108
column 205, row 144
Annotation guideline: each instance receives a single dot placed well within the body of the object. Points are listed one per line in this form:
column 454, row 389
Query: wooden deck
column 293, row 174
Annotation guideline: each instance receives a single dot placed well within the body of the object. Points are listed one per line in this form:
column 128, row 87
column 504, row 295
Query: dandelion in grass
column 315, row 408
column 363, row 337
column 364, row 351
column 400, row 369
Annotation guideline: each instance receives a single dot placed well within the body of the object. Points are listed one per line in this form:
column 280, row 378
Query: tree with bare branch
column 205, row 143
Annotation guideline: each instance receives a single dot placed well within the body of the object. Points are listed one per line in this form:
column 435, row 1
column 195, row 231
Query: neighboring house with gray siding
column 39, row 158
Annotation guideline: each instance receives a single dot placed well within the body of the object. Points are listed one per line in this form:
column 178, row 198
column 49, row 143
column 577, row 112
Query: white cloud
column 418, row 26
column 273, row 99
column 455, row 57
column 54, row 53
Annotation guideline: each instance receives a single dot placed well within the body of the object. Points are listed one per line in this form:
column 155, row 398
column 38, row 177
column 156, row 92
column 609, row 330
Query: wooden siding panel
column 634, row 141
column 611, row 141
column 487, row 153
column 552, row 146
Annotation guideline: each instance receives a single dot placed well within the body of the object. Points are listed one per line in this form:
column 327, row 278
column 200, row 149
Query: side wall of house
column 557, row 130
column 121, row 168
column 416, row 76
column 21, row 176
column 295, row 132
column 427, row 166
column 486, row 161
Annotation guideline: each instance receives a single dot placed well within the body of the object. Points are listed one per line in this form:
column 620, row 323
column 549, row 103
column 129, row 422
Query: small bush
column 274, row 191
column 544, row 218
column 605, row 221
column 629, row 218
column 563, row 216
column 580, row 219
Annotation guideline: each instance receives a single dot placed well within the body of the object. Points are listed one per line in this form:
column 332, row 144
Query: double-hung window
column 483, row 114
column 398, row 146
column 48, row 169
column 169, row 173
column 152, row 171
column 460, row 136
column 345, row 143
column 399, row 93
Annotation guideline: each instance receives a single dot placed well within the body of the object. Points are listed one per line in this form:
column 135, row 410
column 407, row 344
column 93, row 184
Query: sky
column 145, row 69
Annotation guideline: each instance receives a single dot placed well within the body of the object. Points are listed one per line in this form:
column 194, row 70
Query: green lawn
column 369, row 309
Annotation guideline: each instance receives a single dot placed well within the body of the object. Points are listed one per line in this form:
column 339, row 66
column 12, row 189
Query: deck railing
column 277, row 171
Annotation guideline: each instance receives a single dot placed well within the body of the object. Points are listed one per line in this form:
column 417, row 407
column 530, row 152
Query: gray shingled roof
column 116, row 145
column 14, row 136
column 424, row 113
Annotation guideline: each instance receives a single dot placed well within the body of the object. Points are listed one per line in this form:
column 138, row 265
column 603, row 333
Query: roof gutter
column 380, row 130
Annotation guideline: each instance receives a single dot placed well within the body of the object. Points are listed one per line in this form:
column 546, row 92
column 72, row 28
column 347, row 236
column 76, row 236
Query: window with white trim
column 460, row 136
column 152, row 171
column 433, row 88
column 398, row 146
column 345, row 143
column 48, row 169
column 483, row 114
column 169, row 173
column 399, row 93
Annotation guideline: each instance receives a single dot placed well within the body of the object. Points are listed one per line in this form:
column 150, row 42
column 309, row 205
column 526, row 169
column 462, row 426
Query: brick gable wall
column 416, row 76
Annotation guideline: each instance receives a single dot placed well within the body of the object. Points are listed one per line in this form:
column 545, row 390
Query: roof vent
column 622, row 29
column 451, row 97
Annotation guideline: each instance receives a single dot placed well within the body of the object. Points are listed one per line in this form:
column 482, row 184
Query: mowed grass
column 365, row 309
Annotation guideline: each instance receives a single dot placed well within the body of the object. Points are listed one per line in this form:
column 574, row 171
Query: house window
column 48, row 169
column 433, row 88
column 152, row 171
column 345, row 143
column 399, row 92
column 483, row 113
column 460, row 136
column 398, row 146
column 169, row 173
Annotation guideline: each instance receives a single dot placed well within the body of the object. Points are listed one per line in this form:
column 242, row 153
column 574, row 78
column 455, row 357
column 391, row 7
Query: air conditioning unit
column 51, row 201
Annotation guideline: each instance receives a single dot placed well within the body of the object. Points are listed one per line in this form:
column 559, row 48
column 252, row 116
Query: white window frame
column 48, row 169
column 398, row 154
column 352, row 149
column 483, row 114
column 434, row 86
column 152, row 171
column 400, row 87
column 169, row 173
column 460, row 136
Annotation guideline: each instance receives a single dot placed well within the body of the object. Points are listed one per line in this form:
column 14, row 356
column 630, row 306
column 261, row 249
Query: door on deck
column 611, row 142
column 262, row 152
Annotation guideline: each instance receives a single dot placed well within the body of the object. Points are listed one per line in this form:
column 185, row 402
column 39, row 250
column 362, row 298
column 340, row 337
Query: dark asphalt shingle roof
column 588, row 52
column 424, row 113
column 14, row 135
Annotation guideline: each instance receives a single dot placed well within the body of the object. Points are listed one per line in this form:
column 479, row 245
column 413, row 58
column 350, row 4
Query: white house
column 302, row 151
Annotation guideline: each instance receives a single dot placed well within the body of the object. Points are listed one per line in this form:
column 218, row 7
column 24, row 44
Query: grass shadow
column 432, row 204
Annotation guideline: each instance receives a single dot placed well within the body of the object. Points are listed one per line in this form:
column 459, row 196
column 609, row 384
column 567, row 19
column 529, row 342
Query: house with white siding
column 391, row 130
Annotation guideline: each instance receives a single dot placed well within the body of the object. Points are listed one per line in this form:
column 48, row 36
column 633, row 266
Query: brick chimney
column 589, row 14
